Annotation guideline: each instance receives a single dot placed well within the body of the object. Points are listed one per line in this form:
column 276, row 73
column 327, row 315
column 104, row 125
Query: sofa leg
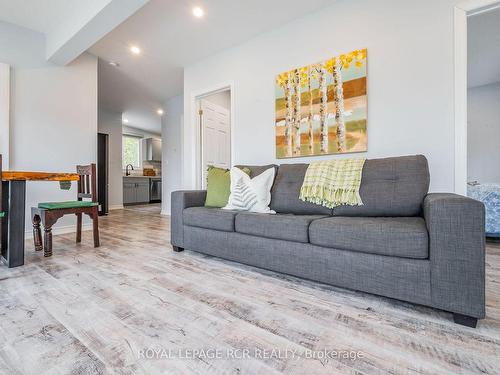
column 465, row 320
column 178, row 249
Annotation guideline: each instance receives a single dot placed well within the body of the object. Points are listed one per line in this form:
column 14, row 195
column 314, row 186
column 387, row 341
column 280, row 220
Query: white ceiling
column 70, row 27
column 119, row 92
column 168, row 34
column 484, row 48
column 171, row 38
column 43, row 16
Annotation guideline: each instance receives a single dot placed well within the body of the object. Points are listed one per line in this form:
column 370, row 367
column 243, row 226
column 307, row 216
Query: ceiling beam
column 67, row 44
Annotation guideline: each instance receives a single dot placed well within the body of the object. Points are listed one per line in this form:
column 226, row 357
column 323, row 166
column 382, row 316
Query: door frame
column 461, row 12
column 204, row 103
column 103, row 186
column 195, row 97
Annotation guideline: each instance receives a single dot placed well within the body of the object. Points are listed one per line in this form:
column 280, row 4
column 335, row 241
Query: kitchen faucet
column 127, row 173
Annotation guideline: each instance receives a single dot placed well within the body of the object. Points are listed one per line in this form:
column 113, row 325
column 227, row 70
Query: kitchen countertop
column 136, row 176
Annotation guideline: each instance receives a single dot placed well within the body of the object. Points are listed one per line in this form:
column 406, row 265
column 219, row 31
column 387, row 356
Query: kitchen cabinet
column 142, row 192
column 135, row 190
column 128, row 192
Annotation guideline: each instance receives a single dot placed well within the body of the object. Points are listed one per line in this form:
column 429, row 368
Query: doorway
column 103, row 173
column 214, row 125
column 462, row 16
column 483, row 96
column 483, row 114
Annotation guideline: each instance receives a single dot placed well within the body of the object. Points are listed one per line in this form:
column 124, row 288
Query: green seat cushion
column 2, row 214
column 62, row 205
column 219, row 186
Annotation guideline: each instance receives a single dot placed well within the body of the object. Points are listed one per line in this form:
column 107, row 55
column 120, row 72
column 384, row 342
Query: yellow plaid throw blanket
column 333, row 183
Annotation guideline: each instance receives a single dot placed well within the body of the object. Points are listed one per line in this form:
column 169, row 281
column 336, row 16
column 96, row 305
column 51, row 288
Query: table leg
column 13, row 225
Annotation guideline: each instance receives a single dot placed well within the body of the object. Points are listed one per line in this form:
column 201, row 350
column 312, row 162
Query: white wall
column 483, row 134
column 111, row 123
column 410, row 80
column 4, row 113
column 483, row 53
column 172, row 126
column 21, row 47
column 139, row 132
column 53, row 114
column 54, row 125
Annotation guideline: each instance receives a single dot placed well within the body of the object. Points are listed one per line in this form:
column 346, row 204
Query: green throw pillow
column 219, row 186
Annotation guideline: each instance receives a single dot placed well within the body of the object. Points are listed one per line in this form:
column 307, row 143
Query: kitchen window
column 131, row 151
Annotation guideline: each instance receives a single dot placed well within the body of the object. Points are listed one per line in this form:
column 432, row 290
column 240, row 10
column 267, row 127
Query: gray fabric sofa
column 403, row 243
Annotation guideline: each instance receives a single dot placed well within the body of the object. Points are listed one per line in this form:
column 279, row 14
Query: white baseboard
column 61, row 230
column 116, row 207
column 165, row 213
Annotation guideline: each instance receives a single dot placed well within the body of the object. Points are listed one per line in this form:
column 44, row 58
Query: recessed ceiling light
column 135, row 50
column 160, row 111
column 125, row 120
column 114, row 63
column 198, row 12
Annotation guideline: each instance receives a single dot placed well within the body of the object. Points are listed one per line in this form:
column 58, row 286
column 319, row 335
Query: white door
column 216, row 138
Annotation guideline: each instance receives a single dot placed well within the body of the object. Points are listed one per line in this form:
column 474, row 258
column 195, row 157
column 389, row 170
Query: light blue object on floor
column 489, row 194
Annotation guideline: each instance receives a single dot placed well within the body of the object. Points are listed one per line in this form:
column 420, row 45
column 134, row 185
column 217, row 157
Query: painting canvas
column 321, row 108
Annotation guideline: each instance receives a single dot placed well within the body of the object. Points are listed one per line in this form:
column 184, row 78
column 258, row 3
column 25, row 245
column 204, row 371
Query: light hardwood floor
column 93, row 311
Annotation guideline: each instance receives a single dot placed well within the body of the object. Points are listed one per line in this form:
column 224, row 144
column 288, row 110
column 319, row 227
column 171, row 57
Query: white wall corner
column 5, row 114
column 172, row 150
column 477, row 6
column 460, row 100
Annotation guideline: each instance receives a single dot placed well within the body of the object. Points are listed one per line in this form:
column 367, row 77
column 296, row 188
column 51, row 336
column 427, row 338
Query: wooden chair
column 48, row 213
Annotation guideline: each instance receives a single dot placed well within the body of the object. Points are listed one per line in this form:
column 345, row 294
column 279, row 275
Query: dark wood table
column 14, row 204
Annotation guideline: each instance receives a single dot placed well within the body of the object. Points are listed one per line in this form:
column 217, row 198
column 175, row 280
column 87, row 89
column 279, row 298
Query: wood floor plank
column 92, row 311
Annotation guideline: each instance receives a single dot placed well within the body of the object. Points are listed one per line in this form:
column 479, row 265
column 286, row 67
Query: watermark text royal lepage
column 256, row 353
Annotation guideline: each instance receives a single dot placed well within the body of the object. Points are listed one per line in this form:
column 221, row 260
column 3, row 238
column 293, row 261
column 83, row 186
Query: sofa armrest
column 180, row 200
column 457, row 253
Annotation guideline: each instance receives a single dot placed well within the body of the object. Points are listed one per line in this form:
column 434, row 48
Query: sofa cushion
column 405, row 237
column 286, row 191
column 209, row 218
column 391, row 187
column 281, row 227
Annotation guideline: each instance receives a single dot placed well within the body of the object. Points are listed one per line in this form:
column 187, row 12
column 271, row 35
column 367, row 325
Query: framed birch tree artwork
column 321, row 108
